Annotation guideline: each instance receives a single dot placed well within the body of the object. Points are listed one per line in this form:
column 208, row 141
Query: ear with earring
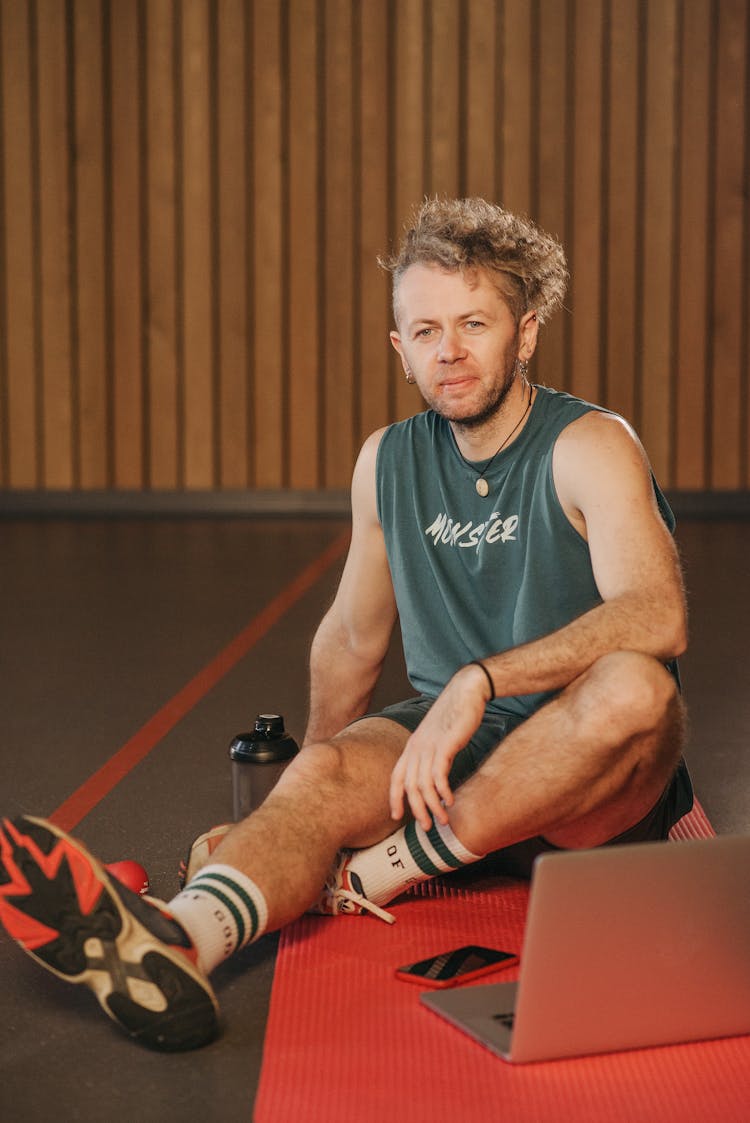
column 409, row 376
column 522, row 366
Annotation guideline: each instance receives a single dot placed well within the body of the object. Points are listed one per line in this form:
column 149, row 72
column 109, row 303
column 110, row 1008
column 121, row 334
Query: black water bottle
column 258, row 759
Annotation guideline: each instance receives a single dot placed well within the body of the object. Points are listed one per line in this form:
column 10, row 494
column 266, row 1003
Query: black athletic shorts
column 517, row 860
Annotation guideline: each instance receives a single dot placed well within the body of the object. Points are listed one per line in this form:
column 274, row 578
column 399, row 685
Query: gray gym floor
column 103, row 622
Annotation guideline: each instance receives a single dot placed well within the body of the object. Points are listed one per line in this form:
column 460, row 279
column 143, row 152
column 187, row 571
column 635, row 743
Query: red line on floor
column 93, row 790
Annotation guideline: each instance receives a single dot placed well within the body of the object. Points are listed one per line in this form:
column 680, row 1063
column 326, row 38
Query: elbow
column 679, row 644
column 675, row 635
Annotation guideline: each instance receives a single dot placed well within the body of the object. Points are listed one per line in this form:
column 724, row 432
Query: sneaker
column 199, row 851
column 343, row 893
column 67, row 913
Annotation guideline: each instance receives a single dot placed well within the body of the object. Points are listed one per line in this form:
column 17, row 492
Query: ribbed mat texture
column 347, row 1041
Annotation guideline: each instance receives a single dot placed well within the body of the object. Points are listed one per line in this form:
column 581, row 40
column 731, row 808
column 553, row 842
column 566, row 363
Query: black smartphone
column 456, row 966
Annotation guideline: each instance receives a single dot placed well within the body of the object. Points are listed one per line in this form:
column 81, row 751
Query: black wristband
column 478, row 663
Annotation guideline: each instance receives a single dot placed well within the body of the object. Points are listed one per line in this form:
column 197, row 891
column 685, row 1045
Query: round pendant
column 483, row 488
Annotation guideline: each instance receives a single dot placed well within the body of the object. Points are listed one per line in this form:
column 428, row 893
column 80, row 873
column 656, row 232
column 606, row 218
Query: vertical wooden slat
column 163, row 392
column 744, row 297
column 19, row 246
column 410, row 183
column 269, row 322
column 91, row 324
column 730, row 189
column 584, row 299
column 692, row 247
column 551, row 173
column 622, row 231
column 516, row 108
column 198, row 278
column 4, row 419
column 444, row 97
column 339, row 430
column 125, row 263
column 374, row 317
column 657, row 305
column 163, row 456
column 55, row 235
column 483, row 115
column 302, row 435
column 233, row 264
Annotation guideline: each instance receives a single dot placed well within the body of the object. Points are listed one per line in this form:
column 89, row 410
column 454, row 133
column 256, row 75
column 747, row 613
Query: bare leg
column 585, row 768
column 582, row 770
column 332, row 795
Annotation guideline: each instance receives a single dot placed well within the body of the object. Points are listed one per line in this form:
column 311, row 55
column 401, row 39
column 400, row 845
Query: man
column 519, row 536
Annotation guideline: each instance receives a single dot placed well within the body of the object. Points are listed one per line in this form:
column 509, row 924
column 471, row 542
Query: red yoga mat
column 346, row 1040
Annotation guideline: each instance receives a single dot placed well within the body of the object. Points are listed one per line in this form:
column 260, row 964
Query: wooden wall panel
column 270, row 321
column 657, row 225
column 341, row 71
column 90, row 242
column 198, row 325
column 624, row 156
column 729, row 265
column 164, row 403
column 585, row 299
column 690, row 332
column 517, row 101
column 231, row 292
column 193, row 194
column 482, row 123
column 54, row 246
column 25, row 450
column 126, row 246
column 373, row 319
column 303, row 445
column 409, row 145
column 445, row 129
column 550, row 171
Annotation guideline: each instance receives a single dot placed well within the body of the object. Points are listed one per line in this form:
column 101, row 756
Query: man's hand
column 421, row 772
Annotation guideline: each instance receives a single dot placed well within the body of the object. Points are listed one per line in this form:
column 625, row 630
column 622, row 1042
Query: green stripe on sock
column 243, row 896
column 204, row 886
column 417, row 851
column 450, row 859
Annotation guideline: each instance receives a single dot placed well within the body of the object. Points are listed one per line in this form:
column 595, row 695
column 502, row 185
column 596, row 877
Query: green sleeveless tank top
column 474, row 576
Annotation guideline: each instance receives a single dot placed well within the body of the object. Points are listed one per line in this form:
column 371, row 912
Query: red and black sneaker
column 67, row 913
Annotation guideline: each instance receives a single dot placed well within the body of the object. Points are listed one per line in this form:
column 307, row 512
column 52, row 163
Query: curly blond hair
column 468, row 234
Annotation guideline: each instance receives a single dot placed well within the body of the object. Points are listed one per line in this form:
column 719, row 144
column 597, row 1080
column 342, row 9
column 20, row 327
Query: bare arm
column 352, row 640
column 604, row 485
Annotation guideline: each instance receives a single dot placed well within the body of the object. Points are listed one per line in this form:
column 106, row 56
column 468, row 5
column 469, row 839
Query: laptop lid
column 624, row 947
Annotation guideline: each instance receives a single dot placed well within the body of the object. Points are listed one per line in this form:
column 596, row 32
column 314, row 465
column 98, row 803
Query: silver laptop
column 625, row 947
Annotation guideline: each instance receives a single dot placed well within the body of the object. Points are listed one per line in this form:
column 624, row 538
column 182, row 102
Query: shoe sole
column 61, row 907
column 200, row 851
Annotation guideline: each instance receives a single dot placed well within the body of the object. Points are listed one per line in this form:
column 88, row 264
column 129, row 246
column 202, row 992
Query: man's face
column 457, row 337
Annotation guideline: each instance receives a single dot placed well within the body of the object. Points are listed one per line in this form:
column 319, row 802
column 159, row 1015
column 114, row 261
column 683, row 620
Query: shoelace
column 338, row 893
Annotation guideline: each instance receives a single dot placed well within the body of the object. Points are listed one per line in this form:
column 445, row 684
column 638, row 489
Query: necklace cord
column 488, row 465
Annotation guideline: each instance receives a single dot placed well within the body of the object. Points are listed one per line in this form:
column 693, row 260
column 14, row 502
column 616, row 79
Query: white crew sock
column 405, row 858
column 221, row 910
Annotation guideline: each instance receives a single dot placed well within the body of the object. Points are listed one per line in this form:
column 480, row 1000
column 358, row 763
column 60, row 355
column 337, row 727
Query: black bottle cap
column 267, row 744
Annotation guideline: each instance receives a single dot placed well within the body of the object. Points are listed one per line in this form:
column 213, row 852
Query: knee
column 634, row 691
column 318, row 764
